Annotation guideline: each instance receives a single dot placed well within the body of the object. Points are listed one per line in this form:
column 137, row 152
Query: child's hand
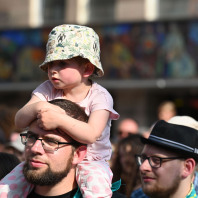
column 47, row 105
column 46, row 116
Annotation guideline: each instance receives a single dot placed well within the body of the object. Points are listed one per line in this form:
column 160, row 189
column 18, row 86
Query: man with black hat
column 167, row 162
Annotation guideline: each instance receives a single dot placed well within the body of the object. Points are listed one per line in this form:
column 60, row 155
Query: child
column 73, row 55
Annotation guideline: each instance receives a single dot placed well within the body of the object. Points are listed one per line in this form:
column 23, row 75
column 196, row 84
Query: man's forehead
column 34, row 127
column 154, row 150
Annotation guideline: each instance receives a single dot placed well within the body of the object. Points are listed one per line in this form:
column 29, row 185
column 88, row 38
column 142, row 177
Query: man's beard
column 163, row 191
column 48, row 177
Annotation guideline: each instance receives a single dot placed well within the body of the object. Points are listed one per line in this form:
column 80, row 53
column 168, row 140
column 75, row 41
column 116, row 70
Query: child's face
column 65, row 73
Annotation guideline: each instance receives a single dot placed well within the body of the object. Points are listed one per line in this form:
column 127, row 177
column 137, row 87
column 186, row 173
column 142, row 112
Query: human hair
column 84, row 61
column 73, row 110
column 7, row 121
column 129, row 174
column 80, row 60
column 8, row 162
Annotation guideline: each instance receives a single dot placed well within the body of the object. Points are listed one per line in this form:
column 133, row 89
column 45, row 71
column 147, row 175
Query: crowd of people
column 128, row 161
column 63, row 147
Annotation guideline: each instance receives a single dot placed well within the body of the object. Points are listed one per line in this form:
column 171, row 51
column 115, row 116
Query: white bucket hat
column 68, row 41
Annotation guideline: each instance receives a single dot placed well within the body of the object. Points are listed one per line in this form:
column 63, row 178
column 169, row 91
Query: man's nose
column 145, row 166
column 37, row 146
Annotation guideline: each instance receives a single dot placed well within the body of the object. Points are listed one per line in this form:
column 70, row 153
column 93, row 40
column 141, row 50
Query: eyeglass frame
column 161, row 159
column 37, row 138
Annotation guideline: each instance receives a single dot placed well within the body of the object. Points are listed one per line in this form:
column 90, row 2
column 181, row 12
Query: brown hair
column 80, row 60
column 83, row 61
column 73, row 110
column 131, row 145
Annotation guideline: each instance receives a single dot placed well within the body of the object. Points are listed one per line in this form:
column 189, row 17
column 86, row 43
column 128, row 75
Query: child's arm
column 83, row 132
column 29, row 112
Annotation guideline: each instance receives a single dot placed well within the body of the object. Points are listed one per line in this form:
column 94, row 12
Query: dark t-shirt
column 118, row 195
column 69, row 195
column 66, row 195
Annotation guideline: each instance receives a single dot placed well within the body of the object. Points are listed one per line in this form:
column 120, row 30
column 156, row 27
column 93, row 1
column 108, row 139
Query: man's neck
column 66, row 185
column 183, row 190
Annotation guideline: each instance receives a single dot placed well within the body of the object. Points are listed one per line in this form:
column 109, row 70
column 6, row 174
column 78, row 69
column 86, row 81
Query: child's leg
column 14, row 184
column 94, row 179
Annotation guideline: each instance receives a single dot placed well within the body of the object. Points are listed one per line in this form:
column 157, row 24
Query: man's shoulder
column 138, row 193
column 118, row 195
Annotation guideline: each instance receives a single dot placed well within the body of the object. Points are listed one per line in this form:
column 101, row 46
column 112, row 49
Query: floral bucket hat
column 68, row 41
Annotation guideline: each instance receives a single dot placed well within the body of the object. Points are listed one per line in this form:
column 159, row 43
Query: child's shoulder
column 47, row 91
column 98, row 91
column 46, row 83
column 98, row 87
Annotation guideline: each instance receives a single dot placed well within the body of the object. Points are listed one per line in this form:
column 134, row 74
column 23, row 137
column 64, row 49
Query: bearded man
column 168, row 160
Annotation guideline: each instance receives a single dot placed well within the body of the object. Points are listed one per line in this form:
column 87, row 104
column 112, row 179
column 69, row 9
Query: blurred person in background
column 7, row 125
column 14, row 146
column 127, row 127
column 124, row 165
column 145, row 131
column 166, row 110
column 2, row 140
column 8, row 163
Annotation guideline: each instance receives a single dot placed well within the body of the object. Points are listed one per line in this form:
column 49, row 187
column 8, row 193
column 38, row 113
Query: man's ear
column 79, row 154
column 189, row 167
column 88, row 70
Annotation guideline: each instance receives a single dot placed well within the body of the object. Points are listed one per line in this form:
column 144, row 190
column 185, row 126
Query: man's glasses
column 154, row 161
column 49, row 144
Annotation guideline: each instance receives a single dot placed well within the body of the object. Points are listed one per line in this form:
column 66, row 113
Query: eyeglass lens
column 154, row 161
column 47, row 143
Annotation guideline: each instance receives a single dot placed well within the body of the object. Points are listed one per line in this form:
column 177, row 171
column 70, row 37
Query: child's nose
column 52, row 68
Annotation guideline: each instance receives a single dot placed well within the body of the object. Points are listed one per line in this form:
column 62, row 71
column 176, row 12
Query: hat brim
column 170, row 147
column 98, row 72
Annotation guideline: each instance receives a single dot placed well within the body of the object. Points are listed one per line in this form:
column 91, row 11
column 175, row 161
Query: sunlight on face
column 156, row 181
column 47, row 168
